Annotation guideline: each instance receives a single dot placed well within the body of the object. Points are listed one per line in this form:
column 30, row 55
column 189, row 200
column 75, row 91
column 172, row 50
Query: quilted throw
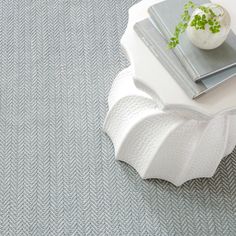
column 58, row 175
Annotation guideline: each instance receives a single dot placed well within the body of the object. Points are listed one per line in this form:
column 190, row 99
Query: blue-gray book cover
column 198, row 63
column 156, row 43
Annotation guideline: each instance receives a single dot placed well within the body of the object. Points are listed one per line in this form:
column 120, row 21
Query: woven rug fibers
column 57, row 170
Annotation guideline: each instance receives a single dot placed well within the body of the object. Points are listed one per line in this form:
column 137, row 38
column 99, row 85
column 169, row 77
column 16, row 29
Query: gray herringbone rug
column 57, row 170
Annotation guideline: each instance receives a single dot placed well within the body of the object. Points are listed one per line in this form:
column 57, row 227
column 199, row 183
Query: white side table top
column 150, row 75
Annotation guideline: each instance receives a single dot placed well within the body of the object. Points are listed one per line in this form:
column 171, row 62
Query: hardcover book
column 198, row 63
column 157, row 44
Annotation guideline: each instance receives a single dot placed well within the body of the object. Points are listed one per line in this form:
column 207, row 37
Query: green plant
column 199, row 22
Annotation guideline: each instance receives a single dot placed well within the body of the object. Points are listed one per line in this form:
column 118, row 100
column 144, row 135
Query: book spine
column 182, row 80
column 158, row 22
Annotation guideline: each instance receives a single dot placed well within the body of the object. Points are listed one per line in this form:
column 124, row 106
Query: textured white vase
column 205, row 39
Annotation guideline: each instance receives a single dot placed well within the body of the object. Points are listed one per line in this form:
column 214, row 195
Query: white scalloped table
column 153, row 124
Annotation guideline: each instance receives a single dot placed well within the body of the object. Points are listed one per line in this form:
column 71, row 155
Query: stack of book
column 197, row 71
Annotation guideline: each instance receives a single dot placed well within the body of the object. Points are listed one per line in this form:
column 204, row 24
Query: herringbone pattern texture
column 57, row 170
